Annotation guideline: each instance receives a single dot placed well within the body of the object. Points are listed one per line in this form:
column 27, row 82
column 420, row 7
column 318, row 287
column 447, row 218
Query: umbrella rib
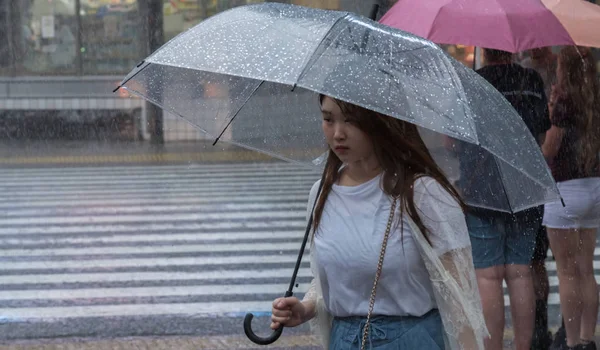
column 513, row 37
column 532, row 178
column 378, row 53
column 166, row 108
column 267, row 152
column 428, row 105
column 312, row 59
column 503, row 187
column 133, row 76
column 237, row 112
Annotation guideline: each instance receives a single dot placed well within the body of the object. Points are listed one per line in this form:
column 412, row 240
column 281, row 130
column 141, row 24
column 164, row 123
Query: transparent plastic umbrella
column 270, row 61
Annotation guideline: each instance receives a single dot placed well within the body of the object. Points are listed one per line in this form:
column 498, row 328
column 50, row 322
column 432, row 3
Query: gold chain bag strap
column 378, row 273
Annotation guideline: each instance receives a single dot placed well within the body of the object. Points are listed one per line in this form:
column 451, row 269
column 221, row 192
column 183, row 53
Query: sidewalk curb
column 158, row 157
column 164, row 343
column 224, row 342
column 140, row 158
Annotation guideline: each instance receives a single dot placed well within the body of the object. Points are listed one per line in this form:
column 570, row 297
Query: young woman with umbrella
column 275, row 59
column 379, row 175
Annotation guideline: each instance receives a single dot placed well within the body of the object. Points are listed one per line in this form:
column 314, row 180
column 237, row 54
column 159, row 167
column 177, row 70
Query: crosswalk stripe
column 149, row 276
column 128, row 192
column 131, row 182
column 164, row 170
column 128, row 209
column 152, row 227
column 149, row 167
column 291, row 214
column 161, row 249
column 218, row 289
column 148, row 262
column 152, row 199
column 159, row 237
column 176, row 178
column 141, row 194
column 237, row 308
column 109, row 170
column 154, row 172
column 182, row 187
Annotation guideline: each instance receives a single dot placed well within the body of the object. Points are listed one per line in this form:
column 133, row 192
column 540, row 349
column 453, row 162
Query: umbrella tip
column 563, row 202
column 216, row 140
column 118, row 87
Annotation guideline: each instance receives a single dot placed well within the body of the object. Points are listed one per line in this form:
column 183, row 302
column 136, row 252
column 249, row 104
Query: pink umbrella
column 580, row 18
column 509, row 25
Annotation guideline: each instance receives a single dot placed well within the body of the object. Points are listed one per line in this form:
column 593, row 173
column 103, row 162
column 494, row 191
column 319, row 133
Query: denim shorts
column 389, row 332
column 504, row 239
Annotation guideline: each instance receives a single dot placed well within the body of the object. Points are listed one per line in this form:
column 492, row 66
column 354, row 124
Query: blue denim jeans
column 503, row 239
column 389, row 332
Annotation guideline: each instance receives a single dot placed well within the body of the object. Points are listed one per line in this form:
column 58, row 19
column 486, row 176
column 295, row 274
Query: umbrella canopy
column 580, row 18
column 271, row 60
column 509, row 25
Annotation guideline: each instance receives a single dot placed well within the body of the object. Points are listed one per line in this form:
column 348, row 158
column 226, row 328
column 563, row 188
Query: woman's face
column 343, row 136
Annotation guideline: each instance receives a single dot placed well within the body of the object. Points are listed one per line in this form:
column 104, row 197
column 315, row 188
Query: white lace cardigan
column 454, row 284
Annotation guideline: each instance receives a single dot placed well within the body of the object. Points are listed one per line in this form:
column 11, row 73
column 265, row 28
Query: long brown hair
column 578, row 83
column 401, row 153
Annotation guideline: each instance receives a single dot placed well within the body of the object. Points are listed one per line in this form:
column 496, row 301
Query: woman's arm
column 560, row 112
column 469, row 334
column 541, row 138
column 310, row 301
column 310, row 309
column 552, row 143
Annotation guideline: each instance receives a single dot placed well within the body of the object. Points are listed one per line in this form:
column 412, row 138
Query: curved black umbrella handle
column 259, row 340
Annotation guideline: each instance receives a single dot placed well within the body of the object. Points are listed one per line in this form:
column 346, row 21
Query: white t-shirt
column 348, row 244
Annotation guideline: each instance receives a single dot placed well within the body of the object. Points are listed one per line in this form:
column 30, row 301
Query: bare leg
column 522, row 303
column 489, row 281
column 565, row 246
column 588, row 286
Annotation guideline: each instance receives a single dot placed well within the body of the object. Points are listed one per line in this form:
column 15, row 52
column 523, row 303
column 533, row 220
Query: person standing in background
column 543, row 61
column 572, row 147
column 503, row 244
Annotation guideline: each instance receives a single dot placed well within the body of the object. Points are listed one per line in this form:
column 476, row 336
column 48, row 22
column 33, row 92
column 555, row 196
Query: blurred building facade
column 61, row 59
